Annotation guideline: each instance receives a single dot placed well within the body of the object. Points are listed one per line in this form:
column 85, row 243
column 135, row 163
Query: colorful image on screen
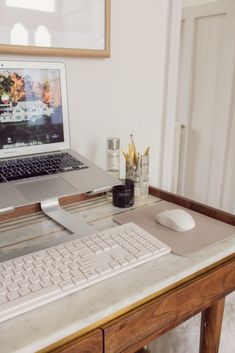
column 30, row 107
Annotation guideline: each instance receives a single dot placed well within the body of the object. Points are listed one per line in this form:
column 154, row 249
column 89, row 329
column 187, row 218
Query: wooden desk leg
column 211, row 323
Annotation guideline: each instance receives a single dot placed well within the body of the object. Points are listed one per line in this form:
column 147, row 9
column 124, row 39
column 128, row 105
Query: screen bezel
column 12, row 152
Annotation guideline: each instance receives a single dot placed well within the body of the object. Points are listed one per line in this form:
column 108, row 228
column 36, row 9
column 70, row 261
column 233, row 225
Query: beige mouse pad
column 207, row 231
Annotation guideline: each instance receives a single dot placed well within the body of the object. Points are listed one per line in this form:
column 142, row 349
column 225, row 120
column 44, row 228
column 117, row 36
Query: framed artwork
column 55, row 27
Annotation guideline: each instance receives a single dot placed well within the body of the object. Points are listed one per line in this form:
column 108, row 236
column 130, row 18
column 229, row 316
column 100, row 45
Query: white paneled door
column 205, row 104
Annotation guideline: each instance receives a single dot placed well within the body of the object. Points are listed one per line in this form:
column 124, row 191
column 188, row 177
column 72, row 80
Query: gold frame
column 45, row 51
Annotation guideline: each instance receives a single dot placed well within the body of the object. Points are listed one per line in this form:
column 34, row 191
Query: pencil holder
column 139, row 173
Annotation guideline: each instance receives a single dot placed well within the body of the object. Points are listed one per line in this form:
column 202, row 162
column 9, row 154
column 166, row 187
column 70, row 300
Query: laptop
column 36, row 161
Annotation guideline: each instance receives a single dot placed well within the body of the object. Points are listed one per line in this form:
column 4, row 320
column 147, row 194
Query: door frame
column 173, row 50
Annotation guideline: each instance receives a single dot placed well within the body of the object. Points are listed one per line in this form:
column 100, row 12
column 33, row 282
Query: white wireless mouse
column 176, row 219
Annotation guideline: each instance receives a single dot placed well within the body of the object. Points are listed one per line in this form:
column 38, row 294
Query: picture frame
column 78, row 28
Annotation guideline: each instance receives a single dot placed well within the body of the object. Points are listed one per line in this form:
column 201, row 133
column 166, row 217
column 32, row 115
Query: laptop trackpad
column 35, row 191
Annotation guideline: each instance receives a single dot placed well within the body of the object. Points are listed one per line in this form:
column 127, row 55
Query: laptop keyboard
column 16, row 169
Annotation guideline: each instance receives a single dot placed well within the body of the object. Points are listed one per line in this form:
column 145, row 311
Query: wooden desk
column 132, row 326
column 203, row 293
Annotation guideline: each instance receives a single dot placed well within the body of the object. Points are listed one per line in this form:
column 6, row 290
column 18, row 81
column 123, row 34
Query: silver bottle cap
column 113, row 143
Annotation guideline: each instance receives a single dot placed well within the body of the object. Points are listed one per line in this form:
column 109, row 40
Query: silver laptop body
column 34, row 122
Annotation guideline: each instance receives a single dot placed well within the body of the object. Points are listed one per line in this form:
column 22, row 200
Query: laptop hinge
column 99, row 190
column 73, row 223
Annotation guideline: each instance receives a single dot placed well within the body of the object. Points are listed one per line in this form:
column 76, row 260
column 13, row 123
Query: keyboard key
column 8, row 266
column 73, row 265
column 91, row 274
column 27, row 258
column 5, row 281
column 34, row 279
column 61, row 269
column 55, row 272
column 17, row 277
column 96, row 249
column 65, row 275
column 44, row 275
column 56, row 279
column 24, row 283
column 12, row 295
column 58, row 263
column 38, row 270
column 142, row 254
column 27, row 274
column 12, row 287
column 119, row 255
column 3, row 290
column 35, row 287
column 75, row 272
column 7, row 273
column 24, row 291
column 47, row 267
column 103, row 269
column 79, row 279
column 87, row 260
column 112, row 244
column 38, row 256
column 3, row 299
column 66, row 284
column 45, row 283
column 64, row 261
column 18, row 269
column 28, row 266
column 130, row 258
column 47, row 259
column 123, row 261
column 114, row 264
column 38, row 263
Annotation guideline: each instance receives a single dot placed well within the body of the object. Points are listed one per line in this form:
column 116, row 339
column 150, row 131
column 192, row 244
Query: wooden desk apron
column 147, row 322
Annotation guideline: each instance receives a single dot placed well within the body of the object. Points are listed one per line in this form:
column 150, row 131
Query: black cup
column 123, row 195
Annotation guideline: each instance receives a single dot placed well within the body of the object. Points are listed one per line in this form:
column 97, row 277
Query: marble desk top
column 50, row 323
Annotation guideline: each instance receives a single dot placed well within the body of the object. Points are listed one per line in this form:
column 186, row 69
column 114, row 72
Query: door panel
column 204, row 99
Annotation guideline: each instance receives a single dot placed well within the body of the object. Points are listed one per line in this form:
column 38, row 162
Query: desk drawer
column 90, row 343
column 137, row 328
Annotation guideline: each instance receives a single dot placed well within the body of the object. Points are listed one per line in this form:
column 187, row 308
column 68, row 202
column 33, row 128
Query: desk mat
column 206, row 233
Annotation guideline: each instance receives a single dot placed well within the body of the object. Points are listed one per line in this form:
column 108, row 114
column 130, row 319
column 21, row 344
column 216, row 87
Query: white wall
column 188, row 3
column 123, row 94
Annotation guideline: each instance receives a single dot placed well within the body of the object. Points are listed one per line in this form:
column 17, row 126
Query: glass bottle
column 113, row 159
column 113, row 156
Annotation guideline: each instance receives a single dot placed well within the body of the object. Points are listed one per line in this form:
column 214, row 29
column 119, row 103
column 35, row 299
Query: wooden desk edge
column 193, row 205
column 35, row 207
column 164, row 195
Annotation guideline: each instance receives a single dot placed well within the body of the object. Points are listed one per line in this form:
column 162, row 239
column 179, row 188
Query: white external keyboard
column 41, row 277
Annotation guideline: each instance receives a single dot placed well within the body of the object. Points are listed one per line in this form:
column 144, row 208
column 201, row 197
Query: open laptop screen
column 32, row 108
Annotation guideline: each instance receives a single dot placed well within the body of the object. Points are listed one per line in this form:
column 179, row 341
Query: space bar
column 25, row 176
column 20, row 303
